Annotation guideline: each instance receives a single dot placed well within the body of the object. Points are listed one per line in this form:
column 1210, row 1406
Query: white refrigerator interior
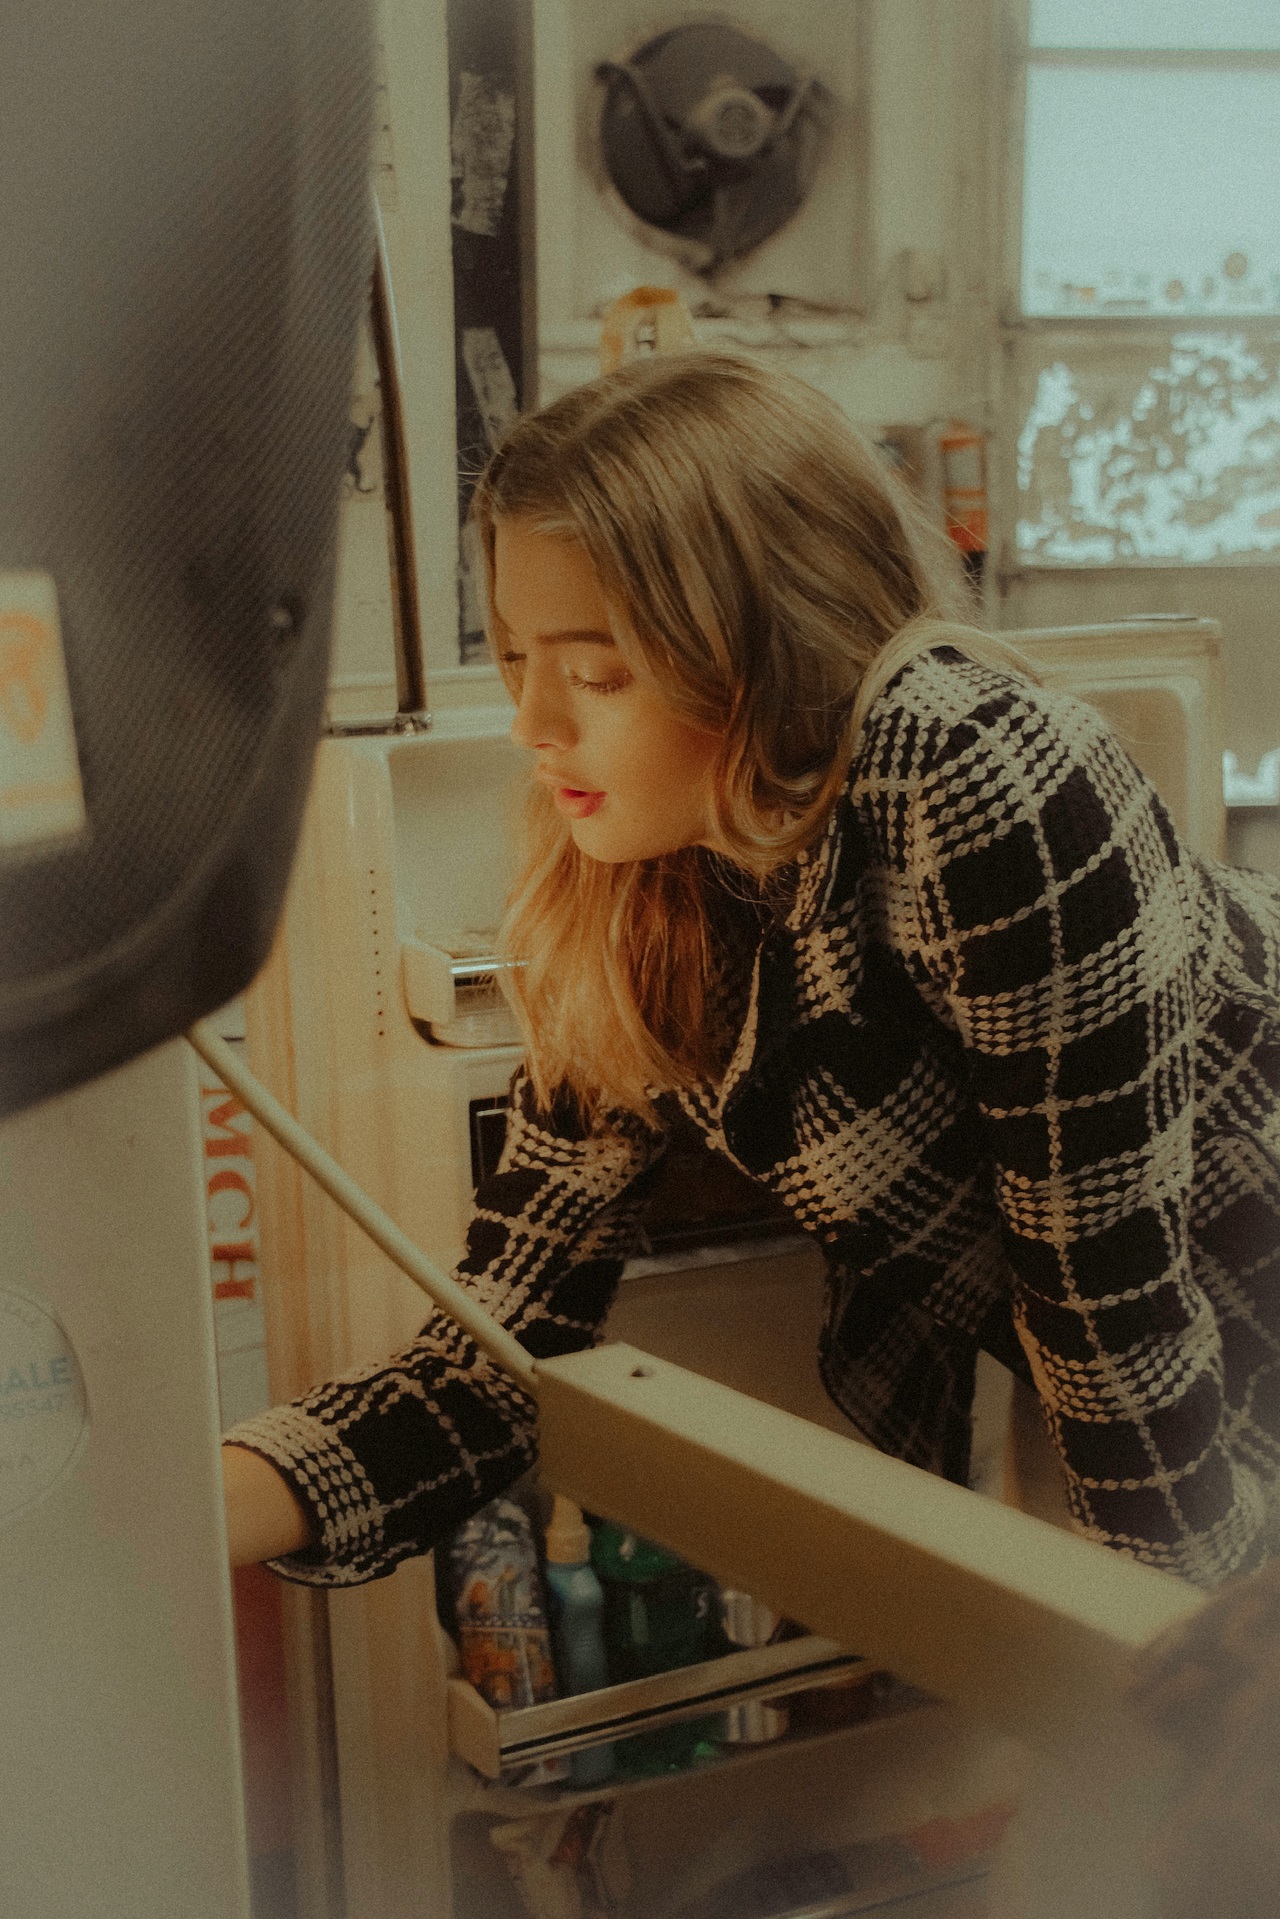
column 120, row 1789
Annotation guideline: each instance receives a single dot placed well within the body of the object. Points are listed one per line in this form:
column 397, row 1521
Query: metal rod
column 411, row 685
column 502, row 1347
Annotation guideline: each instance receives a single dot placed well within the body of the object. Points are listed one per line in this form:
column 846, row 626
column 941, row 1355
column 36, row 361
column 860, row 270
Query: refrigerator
column 378, row 1021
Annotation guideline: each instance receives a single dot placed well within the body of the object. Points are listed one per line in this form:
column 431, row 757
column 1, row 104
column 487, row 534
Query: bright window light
column 1151, row 191
column 1209, row 25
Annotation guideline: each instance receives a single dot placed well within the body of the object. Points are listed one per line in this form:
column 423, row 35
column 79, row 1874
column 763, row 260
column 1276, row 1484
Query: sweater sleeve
column 389, row 1459
column 1048, row 892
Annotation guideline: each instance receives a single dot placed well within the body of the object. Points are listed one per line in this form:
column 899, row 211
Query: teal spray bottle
column 577, row 1608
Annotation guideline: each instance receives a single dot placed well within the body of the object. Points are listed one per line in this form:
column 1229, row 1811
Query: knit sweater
column 1011, row 1055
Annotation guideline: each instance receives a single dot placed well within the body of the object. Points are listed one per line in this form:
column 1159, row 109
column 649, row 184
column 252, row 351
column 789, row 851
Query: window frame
column 1014, row 329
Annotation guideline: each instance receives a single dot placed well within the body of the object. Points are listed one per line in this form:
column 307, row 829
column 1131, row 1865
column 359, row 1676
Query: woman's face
column 630, row 776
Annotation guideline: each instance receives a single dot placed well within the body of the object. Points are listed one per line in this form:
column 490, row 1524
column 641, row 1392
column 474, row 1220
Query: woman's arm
column 1051, row 915
column 389, row 1459
column 265, row 1517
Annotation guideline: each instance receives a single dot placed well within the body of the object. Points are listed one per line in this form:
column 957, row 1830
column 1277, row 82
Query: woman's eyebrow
column 575, row 635
column 568, row 636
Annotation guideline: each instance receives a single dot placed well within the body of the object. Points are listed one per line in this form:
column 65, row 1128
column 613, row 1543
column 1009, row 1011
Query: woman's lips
column 576, row 803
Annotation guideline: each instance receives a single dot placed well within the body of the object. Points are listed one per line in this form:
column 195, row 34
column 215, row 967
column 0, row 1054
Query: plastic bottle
column 503, row 1640
column 504, row 1643
column 659, row 1613
column 577, row 1618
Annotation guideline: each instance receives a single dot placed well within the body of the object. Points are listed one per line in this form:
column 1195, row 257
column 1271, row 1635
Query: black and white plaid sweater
column 1012, row 1056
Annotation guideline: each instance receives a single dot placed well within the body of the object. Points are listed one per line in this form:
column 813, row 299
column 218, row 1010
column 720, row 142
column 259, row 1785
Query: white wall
column 911, row 77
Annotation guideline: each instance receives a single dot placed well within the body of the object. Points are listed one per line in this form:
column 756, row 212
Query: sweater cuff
column 345, row 1512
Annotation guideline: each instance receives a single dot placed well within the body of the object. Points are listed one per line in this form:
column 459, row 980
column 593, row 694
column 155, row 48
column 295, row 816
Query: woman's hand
column 1212, row 1688
column 265, row 1517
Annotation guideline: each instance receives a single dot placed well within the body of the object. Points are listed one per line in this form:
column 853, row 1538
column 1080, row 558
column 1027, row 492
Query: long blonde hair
column 770, row 569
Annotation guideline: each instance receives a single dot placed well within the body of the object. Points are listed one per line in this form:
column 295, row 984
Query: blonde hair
column 774, row 576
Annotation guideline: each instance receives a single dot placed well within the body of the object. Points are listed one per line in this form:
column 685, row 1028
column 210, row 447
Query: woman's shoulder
column 979, row 755
column 969, row 748
column 974, row 745
column 946, row 707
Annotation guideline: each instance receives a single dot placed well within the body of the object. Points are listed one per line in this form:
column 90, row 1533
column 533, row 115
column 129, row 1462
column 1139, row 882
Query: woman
column 907, row 937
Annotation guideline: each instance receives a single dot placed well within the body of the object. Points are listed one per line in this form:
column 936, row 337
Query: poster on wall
column 494, row 311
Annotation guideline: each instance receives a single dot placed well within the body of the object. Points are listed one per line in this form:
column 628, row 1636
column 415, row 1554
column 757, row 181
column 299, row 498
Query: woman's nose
column 541, row 719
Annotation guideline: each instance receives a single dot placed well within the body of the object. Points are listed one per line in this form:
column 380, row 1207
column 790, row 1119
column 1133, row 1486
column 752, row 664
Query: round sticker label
column 43, row 1414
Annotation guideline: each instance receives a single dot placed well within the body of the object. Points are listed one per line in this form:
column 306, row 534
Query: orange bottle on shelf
column 963, row 452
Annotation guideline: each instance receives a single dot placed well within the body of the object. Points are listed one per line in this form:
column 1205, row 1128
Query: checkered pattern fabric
column 1013, row 1057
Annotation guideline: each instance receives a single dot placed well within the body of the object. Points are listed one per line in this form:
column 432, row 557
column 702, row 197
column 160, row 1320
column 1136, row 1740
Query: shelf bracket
column 1251, row 789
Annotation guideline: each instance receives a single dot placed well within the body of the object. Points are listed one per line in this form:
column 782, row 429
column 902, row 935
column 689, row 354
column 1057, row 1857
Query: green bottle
column 659, row 1613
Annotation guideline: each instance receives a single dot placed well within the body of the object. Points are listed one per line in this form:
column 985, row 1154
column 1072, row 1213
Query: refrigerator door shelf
column 491, row 1741
column 1030, row 1629
column 457, row 993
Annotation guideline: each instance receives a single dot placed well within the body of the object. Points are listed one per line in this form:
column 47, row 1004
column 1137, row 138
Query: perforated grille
column 184, row 224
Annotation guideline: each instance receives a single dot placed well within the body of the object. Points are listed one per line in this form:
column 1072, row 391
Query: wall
column 910, row 76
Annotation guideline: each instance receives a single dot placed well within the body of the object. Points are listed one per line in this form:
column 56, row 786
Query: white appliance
column 404, row 834
column 120, row 1788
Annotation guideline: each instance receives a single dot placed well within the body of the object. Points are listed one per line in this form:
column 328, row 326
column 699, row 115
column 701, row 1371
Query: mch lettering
column 39, row 1377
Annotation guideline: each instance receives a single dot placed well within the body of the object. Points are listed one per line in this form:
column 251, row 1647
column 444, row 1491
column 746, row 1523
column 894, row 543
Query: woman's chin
column 600, row 846
column 613, row 845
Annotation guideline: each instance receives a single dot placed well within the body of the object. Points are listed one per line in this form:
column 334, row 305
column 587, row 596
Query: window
column 1144, row 453
column 1150, row 200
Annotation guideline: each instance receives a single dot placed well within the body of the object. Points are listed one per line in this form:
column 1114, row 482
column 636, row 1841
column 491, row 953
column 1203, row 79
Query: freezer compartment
column 1158, row 683
column 455, row 803
column 493, row 1741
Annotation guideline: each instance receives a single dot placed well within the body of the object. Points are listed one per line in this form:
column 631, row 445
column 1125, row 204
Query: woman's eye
column 615, row 685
